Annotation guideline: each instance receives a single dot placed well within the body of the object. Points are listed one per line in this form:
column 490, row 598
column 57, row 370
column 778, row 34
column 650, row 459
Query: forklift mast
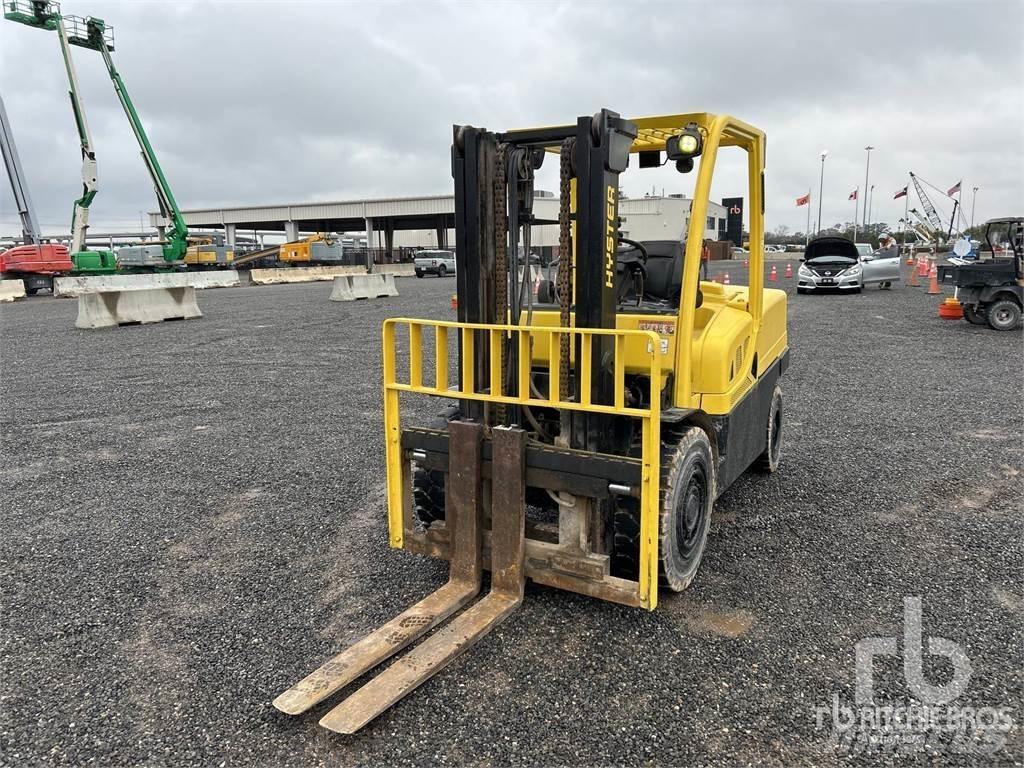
column 593, row 153
column 29, row 225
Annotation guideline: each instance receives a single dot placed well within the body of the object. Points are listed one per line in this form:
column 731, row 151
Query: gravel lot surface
column 193, row 519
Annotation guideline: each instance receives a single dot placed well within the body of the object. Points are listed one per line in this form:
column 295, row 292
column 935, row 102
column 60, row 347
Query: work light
column 686, row 145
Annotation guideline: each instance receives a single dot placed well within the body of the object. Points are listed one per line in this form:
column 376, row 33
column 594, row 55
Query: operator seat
column 664, row 273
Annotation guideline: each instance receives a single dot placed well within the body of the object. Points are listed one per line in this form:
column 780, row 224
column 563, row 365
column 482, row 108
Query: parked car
column 835, row 263
column 438, row 263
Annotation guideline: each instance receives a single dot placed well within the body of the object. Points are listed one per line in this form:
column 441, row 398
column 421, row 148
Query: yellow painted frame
column 721, row 131
column 524, row 337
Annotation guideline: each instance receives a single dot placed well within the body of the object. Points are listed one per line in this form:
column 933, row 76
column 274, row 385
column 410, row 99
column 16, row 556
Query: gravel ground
column 193, row 519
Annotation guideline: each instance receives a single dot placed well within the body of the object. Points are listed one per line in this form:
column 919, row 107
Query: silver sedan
column 835, row 263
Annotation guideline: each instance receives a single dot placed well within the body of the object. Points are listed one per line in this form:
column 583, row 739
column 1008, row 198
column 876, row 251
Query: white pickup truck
column 438, row 263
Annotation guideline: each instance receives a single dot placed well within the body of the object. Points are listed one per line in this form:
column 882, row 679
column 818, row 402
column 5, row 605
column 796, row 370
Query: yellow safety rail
column 525, row 337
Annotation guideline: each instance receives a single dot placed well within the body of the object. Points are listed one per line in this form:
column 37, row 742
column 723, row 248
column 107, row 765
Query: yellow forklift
column 595, row 424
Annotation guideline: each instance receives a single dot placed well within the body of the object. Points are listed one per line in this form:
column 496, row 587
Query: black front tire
column 688, row 488
column 1004, row 315
column 428, row 484
column 801, row 291
column 419, row 273
column 687, row 497
column 768, row 461
column 427, row 496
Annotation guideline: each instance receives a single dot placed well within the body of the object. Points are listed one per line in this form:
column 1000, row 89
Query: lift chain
column 564, row 260
column 501, row 258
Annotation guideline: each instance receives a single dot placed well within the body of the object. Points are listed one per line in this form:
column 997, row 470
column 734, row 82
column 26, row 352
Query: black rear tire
column 768, row 461
column 1004, row 315
column 442, row 271
column 975, row 316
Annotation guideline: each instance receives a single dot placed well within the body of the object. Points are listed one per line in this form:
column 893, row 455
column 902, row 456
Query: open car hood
column 828, row 247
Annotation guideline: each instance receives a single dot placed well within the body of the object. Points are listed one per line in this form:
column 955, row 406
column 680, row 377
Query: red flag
column 954, row 189
column 853, row 195
column 803, row 200
column 901, row 193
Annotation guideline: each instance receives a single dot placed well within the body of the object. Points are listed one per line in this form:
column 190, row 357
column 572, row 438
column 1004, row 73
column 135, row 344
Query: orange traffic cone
column 951, row 309
column 789, row 270
column 455, row 301
column 922, row 266
column 933, row 285
column 746, row 263
column 774, row 276
column 910, row 259
column 912, row 281
column 725, row 278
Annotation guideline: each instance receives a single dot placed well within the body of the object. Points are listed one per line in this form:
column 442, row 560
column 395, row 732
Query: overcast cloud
column 253, row 102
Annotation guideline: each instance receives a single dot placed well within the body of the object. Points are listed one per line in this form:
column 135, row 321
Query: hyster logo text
column 609, row 241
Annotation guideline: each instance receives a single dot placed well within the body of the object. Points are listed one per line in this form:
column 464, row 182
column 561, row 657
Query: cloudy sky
column 259, row 102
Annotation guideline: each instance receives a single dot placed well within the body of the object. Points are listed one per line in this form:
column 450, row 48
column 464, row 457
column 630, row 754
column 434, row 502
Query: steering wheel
column 633, row 246
column 635, row 266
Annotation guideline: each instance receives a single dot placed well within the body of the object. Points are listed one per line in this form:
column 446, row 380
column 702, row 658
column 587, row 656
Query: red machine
column 36, row 265
column 36, row 262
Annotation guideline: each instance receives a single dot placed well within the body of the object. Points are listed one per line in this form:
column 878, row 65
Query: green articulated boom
column 172, row 250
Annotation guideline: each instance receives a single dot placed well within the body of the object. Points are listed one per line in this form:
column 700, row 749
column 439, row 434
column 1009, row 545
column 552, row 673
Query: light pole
column 821, row 187
column 974, row 199
column 867, row 172
column 871, row 200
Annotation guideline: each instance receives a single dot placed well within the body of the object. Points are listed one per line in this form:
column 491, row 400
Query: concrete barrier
column 79, row 286
column 301, row 274
column 11, row 290
column 372, row 286
column 110, row 308
column 398, row 270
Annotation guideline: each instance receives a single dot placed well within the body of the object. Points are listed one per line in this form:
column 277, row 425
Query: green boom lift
column 170, row 252
column 45, row 14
